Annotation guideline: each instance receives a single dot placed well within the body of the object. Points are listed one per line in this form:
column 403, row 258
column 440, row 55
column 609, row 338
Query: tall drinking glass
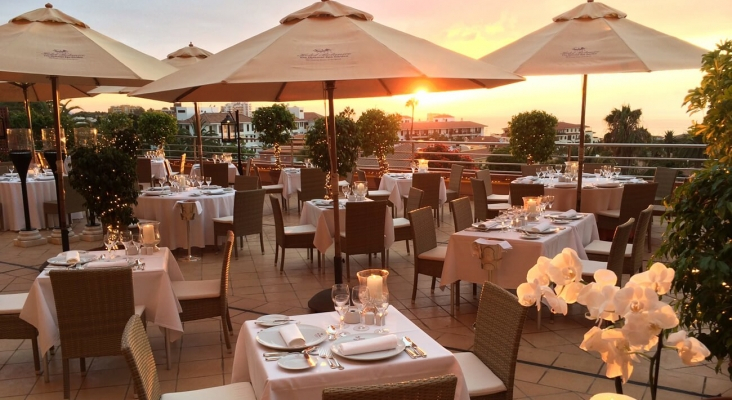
column 381, row 302
column 360, row 298
column 340, row 295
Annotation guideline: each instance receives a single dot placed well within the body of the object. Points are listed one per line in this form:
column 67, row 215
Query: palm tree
column 624, row 127
column 413, row 102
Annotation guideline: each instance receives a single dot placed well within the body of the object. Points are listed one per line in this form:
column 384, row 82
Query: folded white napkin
column 199, row 209
column 380, row 343
column 292, row 335
column 486, row 224
column 107, row 264
column 569, row 213
column 540, row 227
column 72, row 257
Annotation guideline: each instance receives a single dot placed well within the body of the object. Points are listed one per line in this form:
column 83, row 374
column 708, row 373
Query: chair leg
column 67, row 382
column 434, row 280
column 369, row 259
column 277, row 252
column 414, row 286
column 261, row 241
column 282, row 260
column 82, row 365
column 226, row 333
column 228, row 322
column 407, row 246
column 475, row 289
column 319, row 259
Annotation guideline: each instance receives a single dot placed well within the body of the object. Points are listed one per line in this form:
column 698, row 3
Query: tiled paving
column 551, row 366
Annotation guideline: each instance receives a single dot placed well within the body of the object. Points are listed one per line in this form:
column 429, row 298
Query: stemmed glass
column 549, row 200
column 346, row 189
column 208, row 182
column 616, row 172
column 11, row 168
column 137, row 242
column 340, row 294
column 110, row 240
column 126, row 238
column 381, row 302
column 360, row 298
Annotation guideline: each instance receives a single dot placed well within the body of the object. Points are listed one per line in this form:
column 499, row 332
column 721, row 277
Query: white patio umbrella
column 593, row 38
column 48, row 46
column 317, row 49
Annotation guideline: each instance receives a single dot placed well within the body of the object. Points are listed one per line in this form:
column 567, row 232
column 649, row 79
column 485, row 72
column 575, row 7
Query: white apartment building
column 244, row 108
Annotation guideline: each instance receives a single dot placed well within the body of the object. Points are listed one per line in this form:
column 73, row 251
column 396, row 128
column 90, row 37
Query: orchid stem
column 618, row 385
column 655, row 367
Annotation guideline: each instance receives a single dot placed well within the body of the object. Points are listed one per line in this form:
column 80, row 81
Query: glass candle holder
column 532, row 206
column 150, row 234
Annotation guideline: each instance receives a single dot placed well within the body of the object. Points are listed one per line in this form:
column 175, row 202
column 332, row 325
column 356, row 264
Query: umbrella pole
column 60, row 195
column 581, row 150
column 199, row 135
column 330, row 87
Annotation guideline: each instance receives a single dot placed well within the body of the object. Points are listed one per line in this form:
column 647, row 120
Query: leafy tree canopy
column 452, row 155
column 379, row 132
column 274, row 124
column 347, row 141
column 623, row 126
column 157, row 127
column 532, row 134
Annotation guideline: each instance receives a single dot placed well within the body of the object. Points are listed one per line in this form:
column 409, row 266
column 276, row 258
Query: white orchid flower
column 658, row 278
column 690, row 349
column 529, row 293
column 539, row 272
column 605, row 277
column 570, row 292
column 565, row 267
column 558, row 305
column 599, row 301
column 619, row 358
column 645, row 315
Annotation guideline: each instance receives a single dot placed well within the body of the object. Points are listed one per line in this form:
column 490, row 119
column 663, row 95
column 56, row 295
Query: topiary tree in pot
column 274, row 125
column 379, row 134
column 348, row 142
column 698, row 239
column 157, row 128
column 532, row 135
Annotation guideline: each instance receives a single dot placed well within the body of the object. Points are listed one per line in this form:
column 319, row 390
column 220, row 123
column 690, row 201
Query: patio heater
column 20, row 149
column 50, row 153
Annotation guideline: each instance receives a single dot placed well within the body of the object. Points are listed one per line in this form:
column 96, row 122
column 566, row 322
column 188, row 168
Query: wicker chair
column 138, row 354
column 364, row 231
column 428, row 256
column 74, row 203
column 462, row 215
column 12, row 327
column 485, row 176
column 599, row 250
column 429, row 183
column 182, row 169
column 636, row 197
column 434, row 388
column 615, row 257
column 246, row 182
column 144, row 173
column 589, row 168
column 491, row 367
column 270, row 186
column 207, row 298
column 484, row 210
column 219, row 173
column 247, row 218
column 530, row 170
column 520, row 190
column 453, row 190
column 93, row 306
column 248, row 167
column 312, row 186
column 402, row 227
column 361, row 175
column 290, row 237
column 665, row 178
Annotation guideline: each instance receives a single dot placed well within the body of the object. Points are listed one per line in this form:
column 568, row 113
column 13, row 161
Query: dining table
column 165, row 209
column 398, row 184
column 152, row 288
column 233, row 172
column 40, row 190
column 273, row 382
column 319, row 213
column 460, row 264
column 157, row 168
column 291, row 181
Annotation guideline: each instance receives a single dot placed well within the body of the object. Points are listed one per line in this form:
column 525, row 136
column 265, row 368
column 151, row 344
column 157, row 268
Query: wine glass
column 616, row 172
column 208, row 182
column 126, row 238
column 346, row 189
column 11, row 169
column 340, row 294
column 549, row 200
column 382, row 303
column 413, row 166
column 360, row 298
column 137, row 242
column 110, row 240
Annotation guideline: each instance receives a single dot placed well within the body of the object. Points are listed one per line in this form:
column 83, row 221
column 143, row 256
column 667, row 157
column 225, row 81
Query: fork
column 323, row 353
column 336, row 364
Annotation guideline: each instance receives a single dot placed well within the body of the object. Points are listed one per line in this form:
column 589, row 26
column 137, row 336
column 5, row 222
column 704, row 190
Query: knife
column 415, row 347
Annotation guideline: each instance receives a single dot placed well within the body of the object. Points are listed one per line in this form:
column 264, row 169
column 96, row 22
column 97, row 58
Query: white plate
column 374, row 355
column 297, row 362
column 61, row 260
column 532, row 236
column 269, row 320
column 561, row 221
column 271, row 337
column 624, row 177
column 213, row 191
column 496, row 227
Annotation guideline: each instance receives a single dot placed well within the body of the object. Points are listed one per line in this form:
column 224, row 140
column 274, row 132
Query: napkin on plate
column 569, row 213
column 107, row 264
column 486, row 224
column 72, row 257
column 292, row 335
column 386, row 342
column 540, row 227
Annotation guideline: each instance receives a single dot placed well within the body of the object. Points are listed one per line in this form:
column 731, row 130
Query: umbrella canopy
column 317, row 49
column 47, row 45
column 593, row 38
column 186, row 56
column 14, row 91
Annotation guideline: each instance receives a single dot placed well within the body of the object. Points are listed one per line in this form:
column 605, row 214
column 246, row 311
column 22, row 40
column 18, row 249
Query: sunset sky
column 471, row 27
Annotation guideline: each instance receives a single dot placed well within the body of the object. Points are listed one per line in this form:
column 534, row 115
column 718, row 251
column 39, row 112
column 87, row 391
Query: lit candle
column 374, row 283
column 532, row 206
column 611, row 396
column 148, row 234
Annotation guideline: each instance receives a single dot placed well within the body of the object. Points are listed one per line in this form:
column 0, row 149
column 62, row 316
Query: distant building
column 184, row 113
column 126, row 109
column 570, row 133
column 440, row 117
column 452, row 130
column 243, row 107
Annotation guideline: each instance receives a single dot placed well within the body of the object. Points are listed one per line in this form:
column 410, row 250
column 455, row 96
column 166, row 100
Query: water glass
column 360, row 298
column 382, row 303
column 110, row 240
column 340, row 294
column 126, row 238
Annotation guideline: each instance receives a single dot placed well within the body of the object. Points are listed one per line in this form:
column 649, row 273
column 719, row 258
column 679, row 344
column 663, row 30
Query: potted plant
column 157, row 128
column 532, row 136
column 348, row 142
column 274, row 125
column 379, row 134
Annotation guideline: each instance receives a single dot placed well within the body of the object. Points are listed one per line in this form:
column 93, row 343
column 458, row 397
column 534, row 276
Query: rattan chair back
column 462, row 215
column 246, row 182
column 278, row 220
column 636, row 198
column 144, row 171
column 248, row 167
column 456, row 176
column 665, row 178
column 219, row 173
column 434, row 388
column 93, row 306
column 365, row 227
column 248, row 206
column 139, row 356
column 264, row 177
column 485, row 176
column 530, row 170
column 312, row 184
column 589, row 168
column 414, row 201
column 616, row 257
column 498, row 329
column 361, row 174
column 520, row 190
column 480, row 199
column 423, row 231
column 429, row 183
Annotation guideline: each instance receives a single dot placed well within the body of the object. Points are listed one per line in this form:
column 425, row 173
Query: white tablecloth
column 399, row 186
column 460, row 264
column 291, row 181
column 322, row 219
column 173, row 228
column 594, row 200
column 11, row 197
column 271, row 382
column 157, row 167
column 152, row 289
column 232, row 171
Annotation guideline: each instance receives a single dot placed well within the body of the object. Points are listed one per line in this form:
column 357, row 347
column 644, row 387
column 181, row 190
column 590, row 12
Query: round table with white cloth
column 11, row 197
column 172, row 228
